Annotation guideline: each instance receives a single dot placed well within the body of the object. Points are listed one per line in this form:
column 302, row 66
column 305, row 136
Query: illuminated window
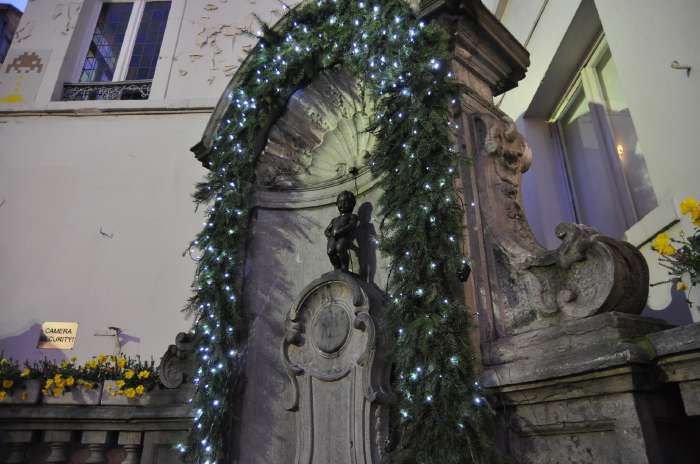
column 605, row 166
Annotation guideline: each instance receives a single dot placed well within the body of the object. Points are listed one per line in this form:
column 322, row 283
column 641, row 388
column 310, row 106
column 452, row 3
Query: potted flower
column 69, row 383
column 681, row 257
column 133, row 380
column 18, row 385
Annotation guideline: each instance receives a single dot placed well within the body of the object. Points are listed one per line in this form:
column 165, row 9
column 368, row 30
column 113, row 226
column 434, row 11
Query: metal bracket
column 676, row 65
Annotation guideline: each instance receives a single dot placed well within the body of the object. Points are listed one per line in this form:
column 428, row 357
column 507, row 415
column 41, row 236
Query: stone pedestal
column 612, row 388
column 338, row 378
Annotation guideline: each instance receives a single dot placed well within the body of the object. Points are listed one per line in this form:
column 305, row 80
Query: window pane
column 590, row 172
column 106, row 43
column 148, row 40
column 626, row 141
column 5, row 37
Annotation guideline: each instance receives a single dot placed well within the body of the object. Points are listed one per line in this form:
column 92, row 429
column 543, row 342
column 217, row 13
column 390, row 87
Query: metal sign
column 58, row 335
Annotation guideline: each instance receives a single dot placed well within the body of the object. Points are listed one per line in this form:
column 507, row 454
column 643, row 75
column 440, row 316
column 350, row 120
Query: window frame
column 121, row 68
column 586, row 80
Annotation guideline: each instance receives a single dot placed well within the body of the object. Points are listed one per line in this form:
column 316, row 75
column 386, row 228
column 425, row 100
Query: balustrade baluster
column 58, row 442
column 94, row 442
column 16, row 444
column 131, row 443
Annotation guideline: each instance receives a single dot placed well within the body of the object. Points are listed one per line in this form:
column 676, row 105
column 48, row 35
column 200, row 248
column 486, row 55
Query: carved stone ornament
column 339, row 381
column 321, row 138
column 588, row 274
column 177, row 362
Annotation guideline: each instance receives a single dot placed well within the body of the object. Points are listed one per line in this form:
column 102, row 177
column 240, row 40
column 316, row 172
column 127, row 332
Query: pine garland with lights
column 442, row 416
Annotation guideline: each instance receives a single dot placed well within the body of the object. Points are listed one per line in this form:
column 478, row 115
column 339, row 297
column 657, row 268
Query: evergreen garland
column 441, row 416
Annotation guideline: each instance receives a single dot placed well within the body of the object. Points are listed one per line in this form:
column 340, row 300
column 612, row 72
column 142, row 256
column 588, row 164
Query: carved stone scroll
column 338, row 380
column 177, row 362
column 586, row 275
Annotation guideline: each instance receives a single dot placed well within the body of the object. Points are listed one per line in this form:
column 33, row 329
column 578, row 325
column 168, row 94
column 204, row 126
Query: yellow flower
column 57, row 377
column 130, row 392
column 689, row 205
column 2, row 395
column 73, row 359
column 7, row 383
column 113, row 393
column 101, row 359
column 128, row 374
column 696, row 218
column 70, row 381
column 144, row 374
column 662, row 244
column 120, row 383
column 680, row 286
column 25, row 372
column 60, row 383
column 91, row 364
column 88, row 385
column 121, row 362
column 57, row 392
column 140, row 390
column 49, row 382
column 24, row 396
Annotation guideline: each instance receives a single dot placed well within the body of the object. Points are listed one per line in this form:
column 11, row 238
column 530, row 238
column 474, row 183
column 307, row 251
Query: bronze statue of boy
column 341, row 232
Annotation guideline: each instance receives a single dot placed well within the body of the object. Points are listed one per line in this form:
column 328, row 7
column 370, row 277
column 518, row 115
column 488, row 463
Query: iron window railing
column 124, row 90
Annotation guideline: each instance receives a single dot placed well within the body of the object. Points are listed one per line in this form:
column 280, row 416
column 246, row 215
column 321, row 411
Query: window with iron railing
column 121, row 58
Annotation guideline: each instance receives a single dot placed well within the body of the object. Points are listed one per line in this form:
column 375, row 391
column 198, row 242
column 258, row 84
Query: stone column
column 15, row 445
column 130, row 442
column 58, row 442
column 94, row 443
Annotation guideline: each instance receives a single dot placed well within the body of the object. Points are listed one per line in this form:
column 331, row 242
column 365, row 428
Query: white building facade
column 103, row 100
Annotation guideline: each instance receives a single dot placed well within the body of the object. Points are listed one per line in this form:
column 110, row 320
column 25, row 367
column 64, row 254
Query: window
column 123, row 52
column 9, row 20
column 101, row 60
column 605, row 167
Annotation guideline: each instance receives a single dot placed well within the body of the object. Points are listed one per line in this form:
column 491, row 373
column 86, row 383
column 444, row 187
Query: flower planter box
column 121, row 400
column 77, row 395
column 158, row 396
column 32, row 389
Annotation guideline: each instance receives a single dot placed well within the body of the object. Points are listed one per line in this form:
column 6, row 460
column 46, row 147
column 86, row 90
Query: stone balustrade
column 94, row 427
column 46, row 433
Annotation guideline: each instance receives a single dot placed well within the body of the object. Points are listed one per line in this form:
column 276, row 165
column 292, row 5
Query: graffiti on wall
column 21, row 75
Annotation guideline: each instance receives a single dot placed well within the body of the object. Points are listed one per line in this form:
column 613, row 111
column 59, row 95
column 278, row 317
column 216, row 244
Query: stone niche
column 316, row 149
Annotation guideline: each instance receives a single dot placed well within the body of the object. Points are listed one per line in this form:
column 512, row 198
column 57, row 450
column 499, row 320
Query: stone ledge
column 676, row 340
column 559, row 338
column 602, row 382
column 12, row 416
column 600, row 342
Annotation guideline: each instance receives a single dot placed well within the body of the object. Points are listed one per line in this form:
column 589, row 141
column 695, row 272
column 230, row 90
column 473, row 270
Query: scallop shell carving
column 321, row 136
